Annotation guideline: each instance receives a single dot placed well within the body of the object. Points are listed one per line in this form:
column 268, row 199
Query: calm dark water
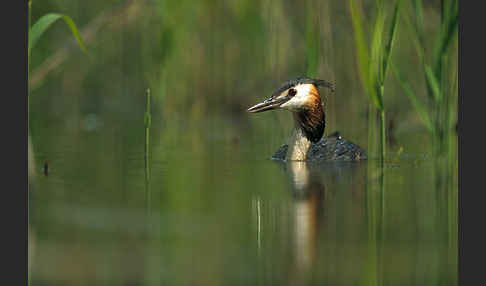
column 221, row 213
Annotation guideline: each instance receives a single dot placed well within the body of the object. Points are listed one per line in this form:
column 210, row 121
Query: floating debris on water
column 45, row 169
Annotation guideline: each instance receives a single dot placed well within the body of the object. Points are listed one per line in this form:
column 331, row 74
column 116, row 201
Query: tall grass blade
column 445, row 39
column 362, row 52
column 29, row 19
column 40, row 27
column 417, row 104
column 75, row 32
column 432, row 82
column 46, row 21
column 147, row 123
column 391, row 37
column 419, row 21
column 376, row 73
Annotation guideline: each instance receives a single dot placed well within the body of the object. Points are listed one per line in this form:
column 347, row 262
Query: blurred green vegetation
column 209, row 59
column 205, row 63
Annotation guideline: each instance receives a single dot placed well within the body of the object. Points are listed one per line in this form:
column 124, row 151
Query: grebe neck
column 298, row 146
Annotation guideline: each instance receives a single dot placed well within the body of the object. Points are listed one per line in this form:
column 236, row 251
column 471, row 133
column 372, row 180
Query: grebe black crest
column 301, row 97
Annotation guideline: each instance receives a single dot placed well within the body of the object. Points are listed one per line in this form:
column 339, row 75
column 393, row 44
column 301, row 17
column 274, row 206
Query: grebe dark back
column 301, row 97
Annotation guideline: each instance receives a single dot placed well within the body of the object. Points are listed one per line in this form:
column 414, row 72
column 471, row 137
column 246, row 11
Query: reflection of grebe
column 301, row 97
column 308, row 206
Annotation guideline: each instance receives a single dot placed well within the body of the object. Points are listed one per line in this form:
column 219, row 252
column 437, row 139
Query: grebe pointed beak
column 268, row 104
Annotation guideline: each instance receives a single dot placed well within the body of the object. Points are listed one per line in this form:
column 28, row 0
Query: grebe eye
column 292, row 92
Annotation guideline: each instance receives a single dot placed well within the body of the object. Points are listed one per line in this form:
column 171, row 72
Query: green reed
column 148, row 122
column 38, row 29
column 376, row 221
column 29, row 11
column 373, row 57
column 28, row 50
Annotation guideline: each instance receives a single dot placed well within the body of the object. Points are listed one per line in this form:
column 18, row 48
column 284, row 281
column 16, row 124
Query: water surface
column 222, row 213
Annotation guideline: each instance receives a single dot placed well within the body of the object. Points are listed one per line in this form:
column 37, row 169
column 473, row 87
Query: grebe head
column 301, row 97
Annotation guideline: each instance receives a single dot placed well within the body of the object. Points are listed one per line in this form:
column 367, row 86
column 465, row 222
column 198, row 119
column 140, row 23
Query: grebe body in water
column 301, row 97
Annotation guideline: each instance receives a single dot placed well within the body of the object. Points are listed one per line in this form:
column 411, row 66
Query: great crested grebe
column 301, row 97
